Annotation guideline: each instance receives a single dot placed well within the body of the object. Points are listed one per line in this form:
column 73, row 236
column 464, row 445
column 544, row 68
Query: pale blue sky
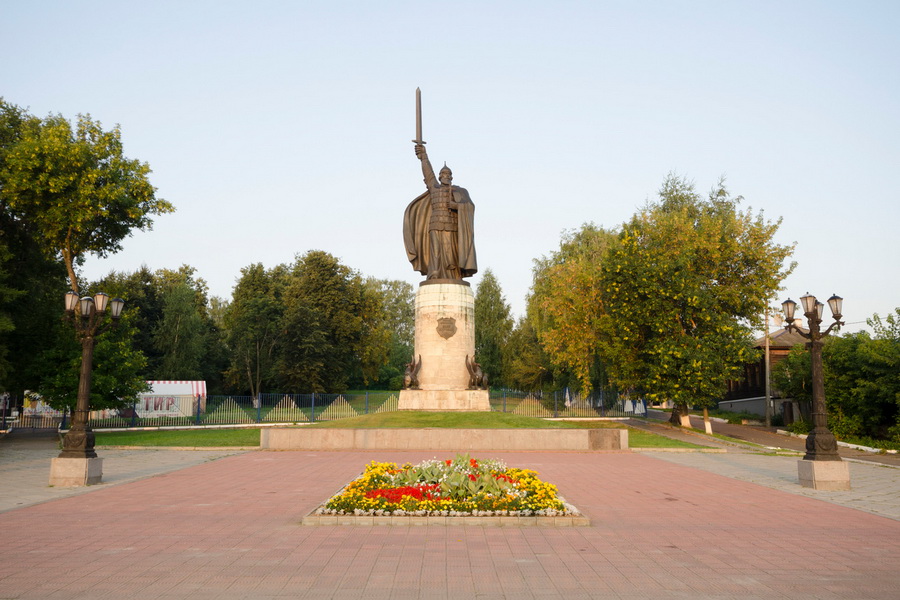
column 279, row 127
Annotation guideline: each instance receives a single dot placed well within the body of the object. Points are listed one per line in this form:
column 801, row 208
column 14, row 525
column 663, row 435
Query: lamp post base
column 828, row 475
column 75, row 472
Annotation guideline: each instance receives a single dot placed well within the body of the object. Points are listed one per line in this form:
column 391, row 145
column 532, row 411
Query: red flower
column 396, row 495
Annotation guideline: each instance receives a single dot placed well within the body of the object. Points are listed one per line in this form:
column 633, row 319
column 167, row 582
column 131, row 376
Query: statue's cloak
column 415, row 232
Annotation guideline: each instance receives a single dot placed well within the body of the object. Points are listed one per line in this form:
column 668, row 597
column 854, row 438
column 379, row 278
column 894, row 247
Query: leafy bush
column 735, row 418
column 799, row 427
column 872, row 442
column 862, row 380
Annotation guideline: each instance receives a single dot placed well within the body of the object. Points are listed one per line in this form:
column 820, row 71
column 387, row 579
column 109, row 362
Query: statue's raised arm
column 427, row 170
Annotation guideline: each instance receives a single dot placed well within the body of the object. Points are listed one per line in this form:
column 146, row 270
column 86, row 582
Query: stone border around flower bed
column 573, row 520
column 408, row 520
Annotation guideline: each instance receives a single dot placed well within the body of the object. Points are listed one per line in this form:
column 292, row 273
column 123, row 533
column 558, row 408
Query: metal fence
column 184, row 411
column 187, row 411
column 563, row 404
column 34, row 422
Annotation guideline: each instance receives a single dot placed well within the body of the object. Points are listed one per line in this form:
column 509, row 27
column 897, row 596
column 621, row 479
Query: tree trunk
column 680, row 416
column 707, row 426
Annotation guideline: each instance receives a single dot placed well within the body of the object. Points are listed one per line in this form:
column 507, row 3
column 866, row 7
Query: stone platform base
column 444, row 400
column 74, row 472
column 829, row 475
column 451, row 440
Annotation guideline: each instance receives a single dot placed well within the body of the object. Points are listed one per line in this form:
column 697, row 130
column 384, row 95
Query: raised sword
column 418, row 139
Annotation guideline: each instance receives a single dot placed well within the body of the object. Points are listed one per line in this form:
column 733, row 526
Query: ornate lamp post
column 821, row 446
column 88, row 316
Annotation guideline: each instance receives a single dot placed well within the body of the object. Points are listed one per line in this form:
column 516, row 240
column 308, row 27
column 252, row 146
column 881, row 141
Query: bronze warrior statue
column 438, row 226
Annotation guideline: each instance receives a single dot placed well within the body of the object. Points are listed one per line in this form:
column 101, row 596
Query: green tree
column 253, row 328
column 528, row 367
column 493, row 326
column 26, row 327
column 12, row 119
column 7, row 295
column 792, row 377
column 329, row 302
column 398, row 307
column 683, row 289
column 187, row 337
column 862, row 380
column 76, row 190
column 567, row 302
column 144, row 303
column 64, row 192
column 180, row 335
column 117, row 376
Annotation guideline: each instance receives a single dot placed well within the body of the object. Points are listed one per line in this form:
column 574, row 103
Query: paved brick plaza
column 229, row 529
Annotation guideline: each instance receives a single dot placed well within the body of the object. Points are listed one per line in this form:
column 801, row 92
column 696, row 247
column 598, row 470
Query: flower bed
column 462, row 486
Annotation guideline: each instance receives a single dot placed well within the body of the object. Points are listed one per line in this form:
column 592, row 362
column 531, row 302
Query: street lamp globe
column 809, row 303
column 835, row 303
column 117, row 304
column 87, row 305
column 788, row 306
column 71, row 301
column 100, row 301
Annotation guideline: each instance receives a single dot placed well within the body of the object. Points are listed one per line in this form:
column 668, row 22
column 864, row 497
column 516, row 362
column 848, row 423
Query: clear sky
column 278, row 127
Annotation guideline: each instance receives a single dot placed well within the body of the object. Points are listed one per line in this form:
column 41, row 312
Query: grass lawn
column 389, row 420
column 638, row 438
column 182, row 437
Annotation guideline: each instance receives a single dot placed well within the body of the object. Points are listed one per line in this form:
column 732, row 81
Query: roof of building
column 782, row 339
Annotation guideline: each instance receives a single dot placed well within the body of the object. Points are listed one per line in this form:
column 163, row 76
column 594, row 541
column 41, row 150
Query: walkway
column 228, row 528
column 25, row 468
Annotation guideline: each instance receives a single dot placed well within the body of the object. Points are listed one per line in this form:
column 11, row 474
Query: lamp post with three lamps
column 78, row 464
column 821, row 467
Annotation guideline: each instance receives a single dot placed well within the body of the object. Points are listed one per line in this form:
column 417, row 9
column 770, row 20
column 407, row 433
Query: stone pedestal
column 829, row 475
column 445, row 337
column 74, row 472
column 444, row 400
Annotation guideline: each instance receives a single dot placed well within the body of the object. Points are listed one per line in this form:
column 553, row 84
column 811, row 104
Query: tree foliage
column 336, row 325
column 179, row 336
column 76, row 190
column 174, row 325
column 528, row 366
column 791, row 376
column 117, row 375
column 684, row 287
column 253, row 327
column 65, row 191
column 313, row 326
column 398, row 307
column 567, row 302
column 862, row 380
column 25, row 272
column 493, row 326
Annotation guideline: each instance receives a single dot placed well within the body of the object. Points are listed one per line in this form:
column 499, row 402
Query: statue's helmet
column 446, row 170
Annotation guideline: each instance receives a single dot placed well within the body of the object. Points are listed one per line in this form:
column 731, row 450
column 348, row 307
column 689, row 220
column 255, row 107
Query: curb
column 700, row 450
column 415, row 521
column 840, row 443
column 185, row 448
